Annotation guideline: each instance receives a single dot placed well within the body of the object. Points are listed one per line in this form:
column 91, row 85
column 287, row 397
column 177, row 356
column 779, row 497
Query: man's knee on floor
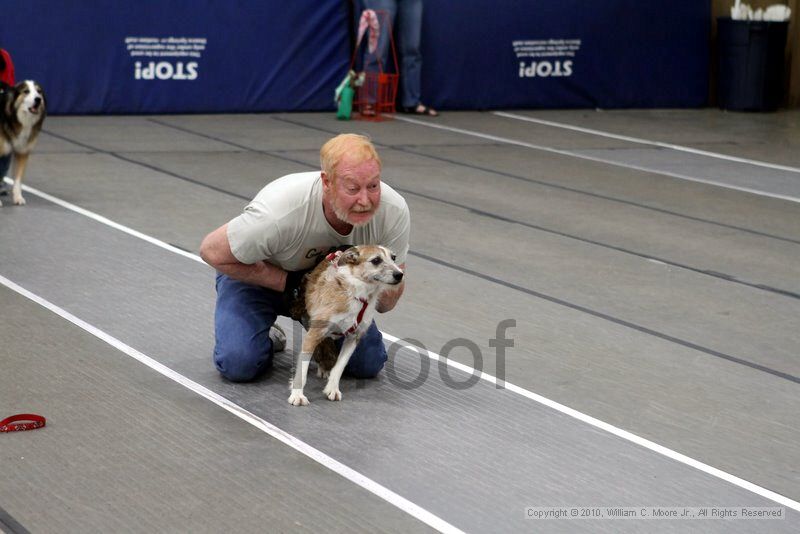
column 370, row 356
column 370, row 367
column 243, row 363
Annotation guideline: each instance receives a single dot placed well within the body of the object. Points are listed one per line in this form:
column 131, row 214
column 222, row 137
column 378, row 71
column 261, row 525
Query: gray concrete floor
column 649, row 291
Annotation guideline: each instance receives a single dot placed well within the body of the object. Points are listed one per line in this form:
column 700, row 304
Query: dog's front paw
column 19, row 200
column 332, row 393
column 297, row 398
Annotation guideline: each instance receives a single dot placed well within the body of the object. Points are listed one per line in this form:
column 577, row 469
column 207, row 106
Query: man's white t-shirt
column 285, row 225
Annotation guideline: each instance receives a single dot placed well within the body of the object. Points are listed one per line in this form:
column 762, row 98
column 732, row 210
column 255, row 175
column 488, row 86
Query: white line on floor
column 597, row 423
column 649, row 142
column 108, row 222
column 579, row 155
column 602, row 425
column 286, row 438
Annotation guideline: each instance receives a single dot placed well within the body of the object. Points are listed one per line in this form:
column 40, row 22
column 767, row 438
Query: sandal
column 422, row 109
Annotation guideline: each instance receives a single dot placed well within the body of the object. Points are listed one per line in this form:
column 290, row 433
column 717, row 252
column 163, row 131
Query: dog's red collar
column 11, row 424
column 364, row 304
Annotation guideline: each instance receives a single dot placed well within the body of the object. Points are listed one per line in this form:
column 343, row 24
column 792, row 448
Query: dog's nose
column 37, row 100
column 398, row 276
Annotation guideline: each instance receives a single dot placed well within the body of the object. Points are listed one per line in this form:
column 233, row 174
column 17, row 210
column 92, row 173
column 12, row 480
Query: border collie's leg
column 20, row 162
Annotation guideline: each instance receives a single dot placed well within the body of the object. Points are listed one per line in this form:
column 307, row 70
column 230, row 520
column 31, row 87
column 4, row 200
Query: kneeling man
column 287, row 228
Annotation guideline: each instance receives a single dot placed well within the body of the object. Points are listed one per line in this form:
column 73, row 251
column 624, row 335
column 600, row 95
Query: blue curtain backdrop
column 599, row 53
column 259, row 55
column 188, row 56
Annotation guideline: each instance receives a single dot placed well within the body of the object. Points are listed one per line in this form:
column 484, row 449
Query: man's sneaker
column 278, row 337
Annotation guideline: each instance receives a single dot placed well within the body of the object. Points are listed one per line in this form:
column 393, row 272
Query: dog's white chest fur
column 21, row 142
column 360, row 302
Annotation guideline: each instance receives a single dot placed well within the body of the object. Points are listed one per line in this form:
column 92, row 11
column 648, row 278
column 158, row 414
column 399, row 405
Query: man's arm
column 388, row 299
column 216, row 251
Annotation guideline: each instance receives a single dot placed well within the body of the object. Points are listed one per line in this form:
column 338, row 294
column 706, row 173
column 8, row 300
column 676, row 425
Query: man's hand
column 388, row 299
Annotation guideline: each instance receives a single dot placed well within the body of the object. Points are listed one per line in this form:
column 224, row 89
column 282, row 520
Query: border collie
column 23, row 111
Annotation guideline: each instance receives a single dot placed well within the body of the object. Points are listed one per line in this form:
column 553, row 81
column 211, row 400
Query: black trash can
column 751, row 64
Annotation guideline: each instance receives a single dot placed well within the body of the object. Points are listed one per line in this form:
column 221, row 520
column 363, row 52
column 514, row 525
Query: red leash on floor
column 12, row 424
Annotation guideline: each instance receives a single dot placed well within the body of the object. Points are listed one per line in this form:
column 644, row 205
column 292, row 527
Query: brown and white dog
column 340, row 298
column 23, row 111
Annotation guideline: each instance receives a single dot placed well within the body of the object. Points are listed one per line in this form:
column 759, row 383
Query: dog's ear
column 41, row 92
column 16, row 91
column 349, row 256
column 11, row 98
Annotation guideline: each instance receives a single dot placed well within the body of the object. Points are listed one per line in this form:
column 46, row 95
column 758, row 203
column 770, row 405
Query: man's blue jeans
column 242, row 319
column 406, row 16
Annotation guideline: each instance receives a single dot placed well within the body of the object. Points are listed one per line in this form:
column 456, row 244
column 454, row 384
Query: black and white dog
column 23, row 111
